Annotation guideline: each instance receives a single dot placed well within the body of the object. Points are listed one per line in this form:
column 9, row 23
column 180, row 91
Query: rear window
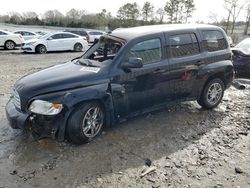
column 183, row 45
column 214, row 40
column 95, row 33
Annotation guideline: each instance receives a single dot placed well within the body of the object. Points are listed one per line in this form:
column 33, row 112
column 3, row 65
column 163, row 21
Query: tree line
column 128, row 15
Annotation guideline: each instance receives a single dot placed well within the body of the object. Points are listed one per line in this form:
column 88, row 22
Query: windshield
column 245, row 44
column 103, row 51
column 45, row 36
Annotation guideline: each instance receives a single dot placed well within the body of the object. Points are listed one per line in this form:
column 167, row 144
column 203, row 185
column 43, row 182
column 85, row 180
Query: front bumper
column 39, row 125
column 28, row 48
column 17, row 119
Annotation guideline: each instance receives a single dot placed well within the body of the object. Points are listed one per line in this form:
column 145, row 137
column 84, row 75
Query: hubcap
column 214, row 93
column 43, row 50
column 78, row 47
column 92, row 122
column 10, row 45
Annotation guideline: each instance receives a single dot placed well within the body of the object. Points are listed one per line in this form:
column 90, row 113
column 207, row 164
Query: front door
column 138, row 89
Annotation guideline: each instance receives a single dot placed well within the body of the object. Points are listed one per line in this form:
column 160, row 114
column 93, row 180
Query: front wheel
column 212, row 94
column 85, row 123
column 41, row 49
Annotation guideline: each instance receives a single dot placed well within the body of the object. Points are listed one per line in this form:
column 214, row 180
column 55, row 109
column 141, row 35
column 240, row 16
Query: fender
column 70, row 99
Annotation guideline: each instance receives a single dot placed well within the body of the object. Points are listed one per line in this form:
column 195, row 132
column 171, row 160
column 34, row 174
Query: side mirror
column 133, row 63
column 50, row 38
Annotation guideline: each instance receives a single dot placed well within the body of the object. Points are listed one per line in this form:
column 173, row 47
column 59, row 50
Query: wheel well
column 38, row 46
column 8, row 41
column 99, row 101
column 219, row 75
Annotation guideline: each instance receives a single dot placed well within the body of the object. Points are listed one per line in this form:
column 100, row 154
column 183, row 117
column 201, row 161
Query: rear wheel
column 9, row 45
column 78, row 47
column 85, row 123
column 41, row 49
column 212, row 94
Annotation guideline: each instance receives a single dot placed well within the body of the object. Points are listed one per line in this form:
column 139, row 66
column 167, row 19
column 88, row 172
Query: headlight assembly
column 45, row 107
column 30, row 43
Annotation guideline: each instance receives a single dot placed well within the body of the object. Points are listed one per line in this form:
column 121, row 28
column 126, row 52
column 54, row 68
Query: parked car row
column 91, row 36
column 40, row 42
column 60, row 41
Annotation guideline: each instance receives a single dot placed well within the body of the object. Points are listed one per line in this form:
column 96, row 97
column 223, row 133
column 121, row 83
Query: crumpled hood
column 57, row 78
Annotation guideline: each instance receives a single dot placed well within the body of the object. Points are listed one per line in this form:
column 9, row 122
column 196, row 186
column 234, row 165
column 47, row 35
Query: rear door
column 184, row 63
column 69, row 41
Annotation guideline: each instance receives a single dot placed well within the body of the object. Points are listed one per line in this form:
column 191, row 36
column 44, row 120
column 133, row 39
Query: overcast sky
column 203, row 7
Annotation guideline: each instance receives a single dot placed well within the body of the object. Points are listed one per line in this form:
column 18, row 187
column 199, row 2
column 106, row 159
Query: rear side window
column 149, row 51
column 95, row 33
column 56, row 36
column 66, row 35
column 214, row 40
column 183, row 45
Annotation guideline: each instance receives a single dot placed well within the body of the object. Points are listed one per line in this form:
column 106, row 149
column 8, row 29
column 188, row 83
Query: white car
column 60, row 41
column 93, row 35
column 10, row 40
column 27, row 35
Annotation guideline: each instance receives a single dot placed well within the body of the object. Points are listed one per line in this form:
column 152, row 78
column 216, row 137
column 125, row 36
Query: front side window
column 183, row 45
column 56, row 36
column 149, row 51
column 214, row 40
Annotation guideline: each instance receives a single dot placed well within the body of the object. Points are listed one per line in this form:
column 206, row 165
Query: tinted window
column 2, row 33
column 95, row 33
column 183, row 45
column 66, row 35
column 214, row 41
column 27, row 33
column 81, row 33
column 56, row 36
column 149, row 51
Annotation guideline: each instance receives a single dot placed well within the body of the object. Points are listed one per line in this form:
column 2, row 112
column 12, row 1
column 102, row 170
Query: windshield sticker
column 90, row 69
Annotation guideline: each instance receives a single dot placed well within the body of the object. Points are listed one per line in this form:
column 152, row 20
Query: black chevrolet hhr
column 126, row 73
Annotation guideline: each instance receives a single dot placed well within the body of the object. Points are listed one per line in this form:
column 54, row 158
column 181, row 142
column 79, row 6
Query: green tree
column 178, row 11
column 128, row 11
column 147, row 11
column 189, row 8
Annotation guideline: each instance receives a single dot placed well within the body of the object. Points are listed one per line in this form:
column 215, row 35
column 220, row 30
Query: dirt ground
column 184, row 146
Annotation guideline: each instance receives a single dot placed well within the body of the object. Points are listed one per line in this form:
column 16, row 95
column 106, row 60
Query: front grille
column 17, row 101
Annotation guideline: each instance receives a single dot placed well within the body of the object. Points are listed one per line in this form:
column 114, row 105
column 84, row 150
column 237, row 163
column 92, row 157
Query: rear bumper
column 17, row 119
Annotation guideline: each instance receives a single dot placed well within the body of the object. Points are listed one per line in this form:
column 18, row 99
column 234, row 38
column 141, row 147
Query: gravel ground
column 181, row 146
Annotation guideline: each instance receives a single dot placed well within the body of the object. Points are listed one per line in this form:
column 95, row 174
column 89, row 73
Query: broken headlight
column 45, row 107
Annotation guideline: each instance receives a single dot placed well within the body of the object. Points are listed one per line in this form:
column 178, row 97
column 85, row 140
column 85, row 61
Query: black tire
column 78, row 47
column 207, row 96
column 41, row 49
column 10, row 45
column 77, row 123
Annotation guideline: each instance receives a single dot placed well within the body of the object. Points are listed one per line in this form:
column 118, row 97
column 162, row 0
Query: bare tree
column 213, row 17
column 160, row 14
column 247, row 20
column 233, row 8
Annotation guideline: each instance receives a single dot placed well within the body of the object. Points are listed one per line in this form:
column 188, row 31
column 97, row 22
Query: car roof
column 134, row 32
